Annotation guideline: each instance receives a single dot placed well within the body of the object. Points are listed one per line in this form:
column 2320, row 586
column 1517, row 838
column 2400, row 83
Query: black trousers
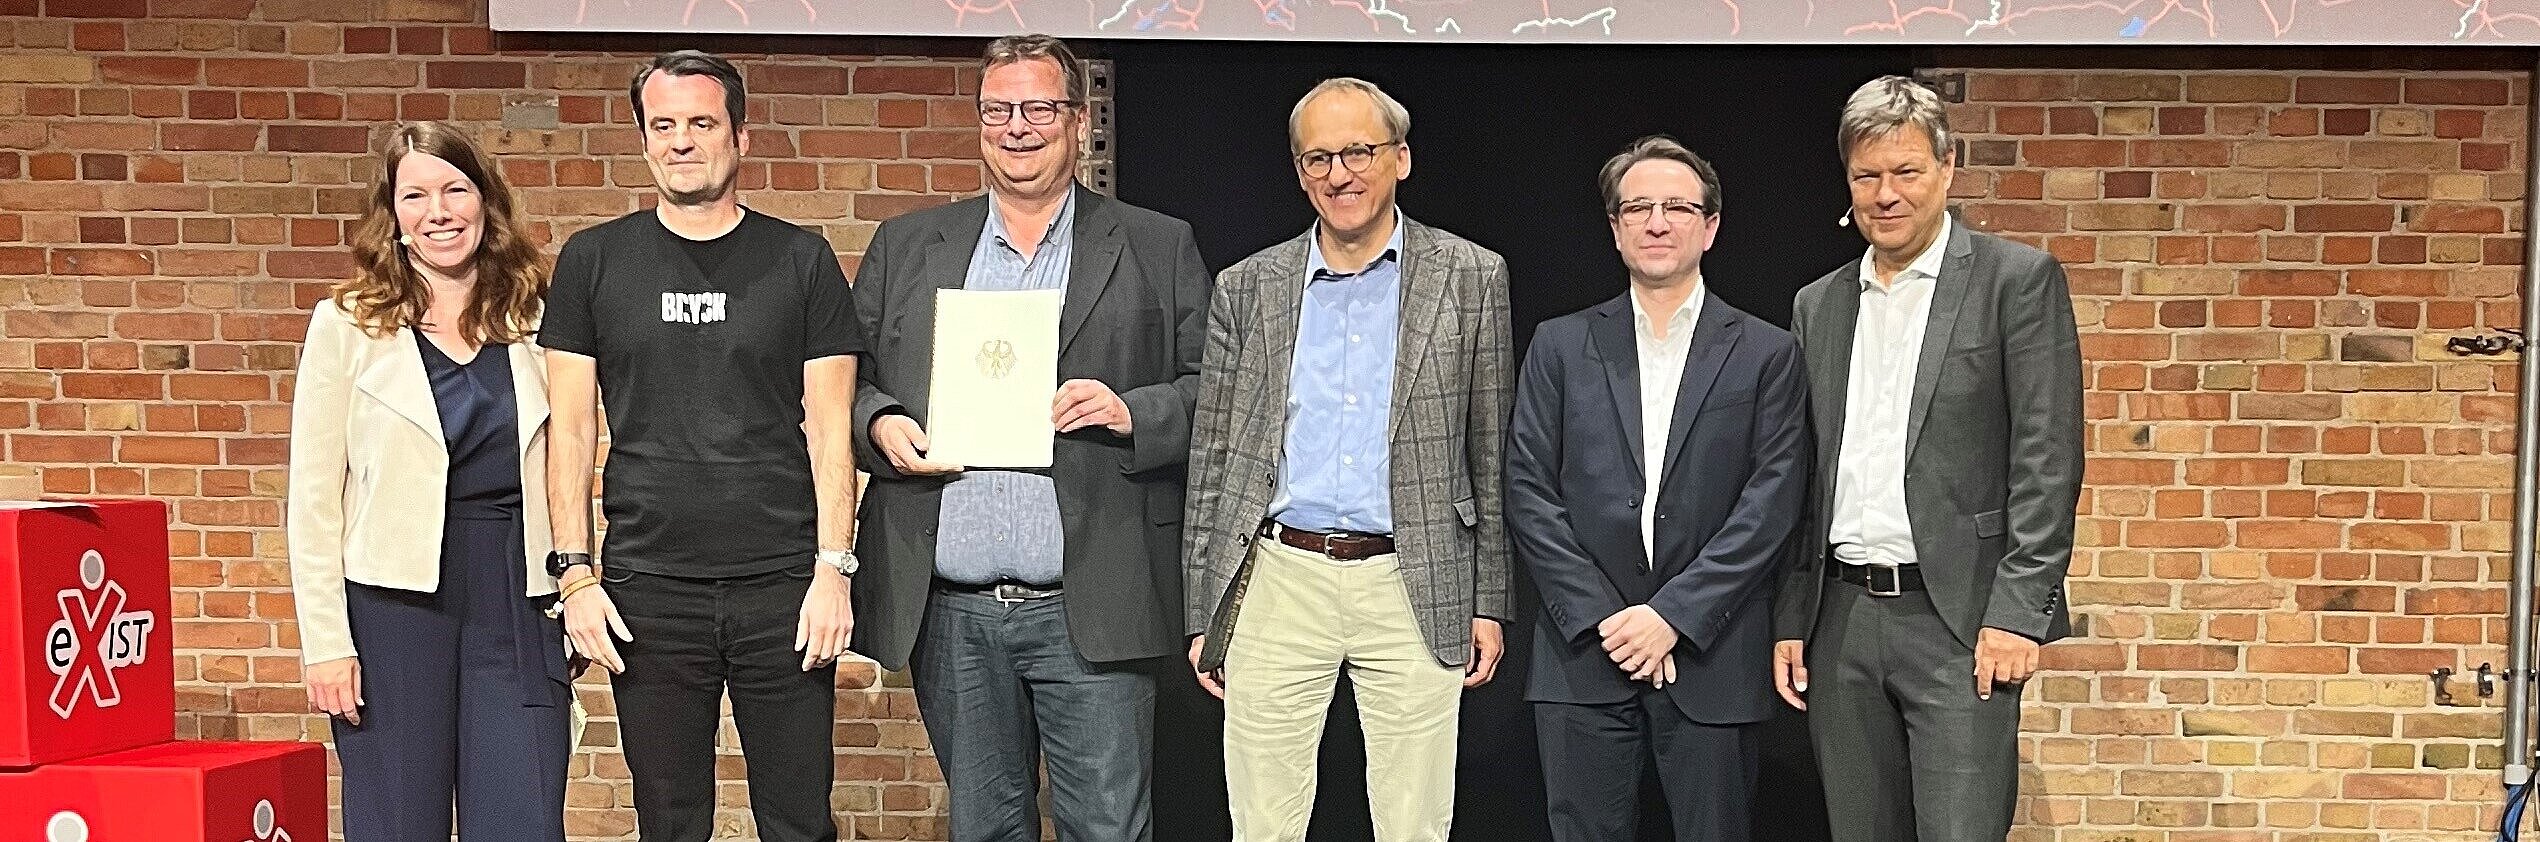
column 1592, row 761
column 1908, row 753
column 464, row 698
column 695, row 639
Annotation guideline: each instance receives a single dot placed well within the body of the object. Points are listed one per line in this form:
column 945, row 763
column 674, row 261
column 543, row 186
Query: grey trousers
column 1907, row 751
column 1001, row 689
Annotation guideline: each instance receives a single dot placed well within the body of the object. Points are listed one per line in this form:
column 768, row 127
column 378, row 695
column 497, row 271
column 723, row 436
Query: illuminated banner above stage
column 2317, row 22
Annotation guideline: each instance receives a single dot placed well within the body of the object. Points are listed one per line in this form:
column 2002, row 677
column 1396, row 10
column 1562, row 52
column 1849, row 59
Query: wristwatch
column 842, row 561
column 558, row 562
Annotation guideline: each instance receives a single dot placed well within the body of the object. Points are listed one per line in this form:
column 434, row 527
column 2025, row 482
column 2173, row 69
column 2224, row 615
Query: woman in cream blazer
column 418, row 515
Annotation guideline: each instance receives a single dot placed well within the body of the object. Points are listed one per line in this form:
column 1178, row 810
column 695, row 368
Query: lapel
column 1096, row 252
column 943, row 263
column 1280, row 279
column 1830, row 367
column 1949, row 298
column 1612, row 341
column 395, row 377
column 529, row 389
column 1713, row 337
column 1424, row 291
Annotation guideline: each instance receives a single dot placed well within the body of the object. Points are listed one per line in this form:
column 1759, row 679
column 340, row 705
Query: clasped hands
column 1641, row 643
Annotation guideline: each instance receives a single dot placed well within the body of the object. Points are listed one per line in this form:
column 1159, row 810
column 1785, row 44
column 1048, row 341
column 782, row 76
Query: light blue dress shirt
column 999, row 525
column 1337, row 473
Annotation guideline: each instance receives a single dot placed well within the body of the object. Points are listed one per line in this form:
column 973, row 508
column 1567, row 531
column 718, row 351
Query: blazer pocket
column 1464, row 511
column 1989, row 524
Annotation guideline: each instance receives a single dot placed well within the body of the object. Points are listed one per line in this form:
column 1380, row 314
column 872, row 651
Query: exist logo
column 265, row 829
column 66, row 826
column 94, row 638
column 996, row 358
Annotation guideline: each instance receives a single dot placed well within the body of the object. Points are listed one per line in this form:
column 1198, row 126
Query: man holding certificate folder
column 1026, row 416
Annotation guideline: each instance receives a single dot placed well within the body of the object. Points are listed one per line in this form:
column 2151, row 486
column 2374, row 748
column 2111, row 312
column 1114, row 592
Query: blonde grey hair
column 1021, row 48
column 1890, row 103
column 1397, row 118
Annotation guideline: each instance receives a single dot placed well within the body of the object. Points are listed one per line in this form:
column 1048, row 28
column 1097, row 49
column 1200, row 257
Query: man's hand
column 1487, row 647
column 2002, row 658
column 1790, row 671
column 590, row 617
column 1213, row 681
column 827, row 621
column 335, row 688
column 902, row 442
column 1638, row 640
column 1085, row 403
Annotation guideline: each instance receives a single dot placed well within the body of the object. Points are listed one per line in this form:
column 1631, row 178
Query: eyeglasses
column 1678, row 211
column 1356, row 157
column 1038, row 112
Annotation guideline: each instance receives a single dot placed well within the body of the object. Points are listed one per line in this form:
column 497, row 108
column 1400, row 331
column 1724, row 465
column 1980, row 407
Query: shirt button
column 1345, row 460
column 1353, row 337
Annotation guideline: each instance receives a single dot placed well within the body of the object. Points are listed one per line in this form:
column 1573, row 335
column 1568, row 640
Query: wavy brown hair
column 386, row 293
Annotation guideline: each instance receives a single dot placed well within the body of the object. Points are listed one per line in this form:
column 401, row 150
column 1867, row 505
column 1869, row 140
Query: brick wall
column 2298, row 505
column 177, row 178
column 2298, row 502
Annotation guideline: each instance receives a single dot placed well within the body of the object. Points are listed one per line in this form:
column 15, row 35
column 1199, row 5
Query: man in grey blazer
column 1945, row 375
column 1345, row 483
column 1019, row 599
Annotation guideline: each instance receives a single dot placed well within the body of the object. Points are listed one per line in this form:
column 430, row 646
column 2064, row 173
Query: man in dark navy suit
column 1657, row 466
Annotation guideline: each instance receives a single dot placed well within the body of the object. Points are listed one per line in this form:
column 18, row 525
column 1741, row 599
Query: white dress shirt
column 1662, row 370
column 1870, row 522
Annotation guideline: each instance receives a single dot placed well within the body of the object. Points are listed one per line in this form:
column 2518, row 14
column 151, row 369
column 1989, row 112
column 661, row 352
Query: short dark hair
column 1020, row 48
column 736, row 97
column 1657, row 147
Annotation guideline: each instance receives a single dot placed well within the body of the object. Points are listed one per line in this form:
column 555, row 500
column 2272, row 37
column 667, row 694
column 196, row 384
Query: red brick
column 2346, row 89
column 198, row 137
column 475, row 74
column 850, row 143
column 894, row 79
column 305, row 138
column 2298, row 660
column 2454, row 90
column 2073, row 153
column 150, row 70
column 256, row 72
column 2315, row 217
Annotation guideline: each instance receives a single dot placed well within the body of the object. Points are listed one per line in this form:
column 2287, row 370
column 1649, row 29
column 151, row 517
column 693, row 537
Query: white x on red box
column 172, row 792
column 84, row 604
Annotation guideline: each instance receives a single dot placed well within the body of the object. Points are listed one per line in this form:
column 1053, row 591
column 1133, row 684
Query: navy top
column 481, row 423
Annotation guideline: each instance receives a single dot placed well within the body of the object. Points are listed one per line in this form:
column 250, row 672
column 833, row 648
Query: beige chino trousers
column 1306, row 617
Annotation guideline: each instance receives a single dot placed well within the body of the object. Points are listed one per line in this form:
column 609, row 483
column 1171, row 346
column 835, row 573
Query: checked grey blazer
column 1452, row 385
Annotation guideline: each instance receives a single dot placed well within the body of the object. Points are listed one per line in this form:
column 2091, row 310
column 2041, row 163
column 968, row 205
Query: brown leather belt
column 1345, row 546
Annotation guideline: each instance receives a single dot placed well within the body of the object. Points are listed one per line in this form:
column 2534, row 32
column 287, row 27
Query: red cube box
column 173, row 792
column 89, row 666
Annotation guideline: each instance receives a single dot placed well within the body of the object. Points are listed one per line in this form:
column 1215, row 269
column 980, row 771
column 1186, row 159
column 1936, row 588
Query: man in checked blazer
column 1945, row 379
column 1344, row 505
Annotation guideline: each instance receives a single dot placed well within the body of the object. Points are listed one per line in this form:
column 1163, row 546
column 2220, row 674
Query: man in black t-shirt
column 723, row 342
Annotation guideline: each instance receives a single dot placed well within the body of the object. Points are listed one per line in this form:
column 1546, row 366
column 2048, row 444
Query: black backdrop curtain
column 1506, row 142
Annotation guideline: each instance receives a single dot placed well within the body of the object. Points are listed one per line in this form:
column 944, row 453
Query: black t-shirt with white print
column 700, row 348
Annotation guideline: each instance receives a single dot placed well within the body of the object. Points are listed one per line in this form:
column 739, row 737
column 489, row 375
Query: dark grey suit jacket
column 1136, row 297
column 1734, row 481
column 1993, row 447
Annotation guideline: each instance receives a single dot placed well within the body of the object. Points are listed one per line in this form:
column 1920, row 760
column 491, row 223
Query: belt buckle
column 1007, row 593
column 1895, row 579
column 1328, row 537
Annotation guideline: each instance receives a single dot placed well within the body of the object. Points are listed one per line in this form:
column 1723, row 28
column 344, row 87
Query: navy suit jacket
column 1730, row 497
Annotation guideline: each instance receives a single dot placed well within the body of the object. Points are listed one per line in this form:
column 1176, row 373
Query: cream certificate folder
column 996, row 372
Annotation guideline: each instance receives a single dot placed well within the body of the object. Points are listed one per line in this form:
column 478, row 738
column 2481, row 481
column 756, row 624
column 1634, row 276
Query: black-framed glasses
column 1678, row 211
column 1038, row 112
column 1356, row 158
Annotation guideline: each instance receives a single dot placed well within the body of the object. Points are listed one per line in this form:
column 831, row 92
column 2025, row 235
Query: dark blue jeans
column 694, row 638
column 1002, row 689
